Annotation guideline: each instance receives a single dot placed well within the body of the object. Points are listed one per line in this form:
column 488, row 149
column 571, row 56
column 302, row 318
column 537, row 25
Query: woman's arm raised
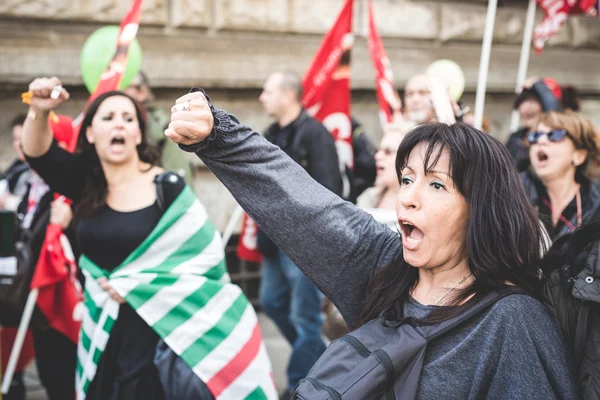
column 334, row 243
column 37, row 136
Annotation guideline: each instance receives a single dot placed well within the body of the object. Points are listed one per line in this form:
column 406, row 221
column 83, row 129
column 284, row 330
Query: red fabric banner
column 327, row 88
column 555, row 15
column 55, row 277
column 387, row 96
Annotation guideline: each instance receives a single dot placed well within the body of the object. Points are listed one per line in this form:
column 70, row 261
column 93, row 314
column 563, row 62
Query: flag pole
column 233, row 222
column 484, row 63
column 524, row 60
column 19, row 339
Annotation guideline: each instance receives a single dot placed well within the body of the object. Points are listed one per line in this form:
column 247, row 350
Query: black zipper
column 385, row 360
column 357, row 345
column 330, row 391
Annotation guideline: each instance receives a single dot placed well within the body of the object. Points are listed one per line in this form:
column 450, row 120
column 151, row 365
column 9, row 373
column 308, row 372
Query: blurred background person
column 538, row 96
column 13, row 183
column 418, row 107
column 287, row 296
column 565, row 166
column 156, row 122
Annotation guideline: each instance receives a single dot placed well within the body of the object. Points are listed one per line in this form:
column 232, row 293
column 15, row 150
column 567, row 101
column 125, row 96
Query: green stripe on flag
column 187, row 308
column 145, row 291
column 189, row 249
column 219, row 332
column 197, row 302
column 216, row 272
column 257, row 394
column 177, row 209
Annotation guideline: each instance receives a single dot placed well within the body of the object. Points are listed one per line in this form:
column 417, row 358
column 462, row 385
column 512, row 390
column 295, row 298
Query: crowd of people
column 495, row 247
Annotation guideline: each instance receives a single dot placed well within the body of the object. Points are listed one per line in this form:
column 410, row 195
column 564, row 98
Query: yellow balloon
column 450, row 74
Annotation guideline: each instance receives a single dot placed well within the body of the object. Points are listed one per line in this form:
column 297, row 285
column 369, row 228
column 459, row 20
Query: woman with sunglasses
column 565, row 164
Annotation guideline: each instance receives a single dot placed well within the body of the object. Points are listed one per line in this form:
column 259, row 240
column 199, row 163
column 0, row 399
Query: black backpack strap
column 168, row 187
column 430, row 332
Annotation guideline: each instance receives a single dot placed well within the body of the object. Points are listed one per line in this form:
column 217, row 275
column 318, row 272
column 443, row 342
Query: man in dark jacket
column 288, row 297
column 572, row 293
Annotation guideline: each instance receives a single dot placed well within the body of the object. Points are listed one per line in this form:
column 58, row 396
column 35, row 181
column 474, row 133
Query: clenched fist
column 191, row 119
column 41, row 90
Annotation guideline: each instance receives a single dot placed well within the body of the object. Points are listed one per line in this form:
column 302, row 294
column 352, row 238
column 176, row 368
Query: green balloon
column 99, row 50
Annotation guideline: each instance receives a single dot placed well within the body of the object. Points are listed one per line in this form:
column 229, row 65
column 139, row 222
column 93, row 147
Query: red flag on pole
column 327, row 88
column 387, row 97
column 555, row 15
column 111, row 78
column 55, row 277
column 247, row 248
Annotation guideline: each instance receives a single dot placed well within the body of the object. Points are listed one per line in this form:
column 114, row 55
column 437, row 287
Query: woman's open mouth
column 411, row 235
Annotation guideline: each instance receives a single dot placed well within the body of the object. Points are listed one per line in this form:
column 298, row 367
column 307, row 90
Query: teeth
column 412, row 242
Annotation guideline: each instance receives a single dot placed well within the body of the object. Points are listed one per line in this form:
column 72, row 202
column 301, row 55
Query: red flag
column 327, row 88
column 111, row 78
column 55, row 278
column 555, row 15
column 247, row 249
column 387, row 97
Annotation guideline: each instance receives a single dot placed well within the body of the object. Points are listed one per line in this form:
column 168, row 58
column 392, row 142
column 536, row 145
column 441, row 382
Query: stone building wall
column 230, row 46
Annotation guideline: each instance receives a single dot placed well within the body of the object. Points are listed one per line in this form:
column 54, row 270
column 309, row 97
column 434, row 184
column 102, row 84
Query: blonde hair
column 582, row 132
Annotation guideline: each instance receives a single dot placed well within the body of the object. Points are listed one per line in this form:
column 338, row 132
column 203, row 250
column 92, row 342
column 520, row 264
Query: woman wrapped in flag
column 154, row 265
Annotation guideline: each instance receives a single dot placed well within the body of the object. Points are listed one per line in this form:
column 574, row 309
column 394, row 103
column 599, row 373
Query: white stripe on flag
column 96, row 293
column 251, row 378
column 205, row 318
column 221, row 355
column 125, row 285
column 169, row 297
column 208, row 258
column 181, row 230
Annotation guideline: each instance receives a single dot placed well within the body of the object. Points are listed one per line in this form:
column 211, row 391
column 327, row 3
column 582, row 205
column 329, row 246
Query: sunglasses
column 555, row 135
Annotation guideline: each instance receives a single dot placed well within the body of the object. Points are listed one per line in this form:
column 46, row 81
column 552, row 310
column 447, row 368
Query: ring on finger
column 182, row 106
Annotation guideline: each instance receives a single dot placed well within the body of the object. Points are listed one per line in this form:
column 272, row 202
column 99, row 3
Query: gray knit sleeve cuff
column 222, row 125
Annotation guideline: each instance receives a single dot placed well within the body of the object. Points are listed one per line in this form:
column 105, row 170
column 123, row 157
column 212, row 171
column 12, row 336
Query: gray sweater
column 514, row 351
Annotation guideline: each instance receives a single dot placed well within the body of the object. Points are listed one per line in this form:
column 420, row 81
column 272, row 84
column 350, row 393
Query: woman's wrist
column 35, row 113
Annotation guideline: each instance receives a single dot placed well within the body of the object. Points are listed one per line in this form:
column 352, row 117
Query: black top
column 538, row 196
column 126, row 370
column 108, row 237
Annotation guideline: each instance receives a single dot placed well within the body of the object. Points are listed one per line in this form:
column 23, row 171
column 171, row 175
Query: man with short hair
column 418, row 106
column 287, row 296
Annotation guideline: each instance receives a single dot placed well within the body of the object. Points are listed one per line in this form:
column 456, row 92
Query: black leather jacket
column 573, row 297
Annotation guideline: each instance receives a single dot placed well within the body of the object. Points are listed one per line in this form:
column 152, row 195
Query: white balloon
column 450, row 74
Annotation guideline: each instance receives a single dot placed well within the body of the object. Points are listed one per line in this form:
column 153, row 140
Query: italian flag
column 177, row 281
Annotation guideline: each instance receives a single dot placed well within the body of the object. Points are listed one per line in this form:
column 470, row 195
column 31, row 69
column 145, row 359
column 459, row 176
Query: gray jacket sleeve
column 334, row 243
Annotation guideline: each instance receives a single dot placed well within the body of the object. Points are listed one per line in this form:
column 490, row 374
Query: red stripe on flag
column 237, row 365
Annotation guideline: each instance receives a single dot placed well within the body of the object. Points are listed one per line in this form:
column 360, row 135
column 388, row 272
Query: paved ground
column 277, row 346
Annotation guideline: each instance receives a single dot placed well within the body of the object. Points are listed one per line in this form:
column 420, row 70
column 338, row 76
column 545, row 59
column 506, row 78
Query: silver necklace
column 455, row 286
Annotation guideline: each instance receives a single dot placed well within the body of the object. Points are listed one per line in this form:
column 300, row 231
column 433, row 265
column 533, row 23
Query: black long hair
column 503, row 238
column 93, row 198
